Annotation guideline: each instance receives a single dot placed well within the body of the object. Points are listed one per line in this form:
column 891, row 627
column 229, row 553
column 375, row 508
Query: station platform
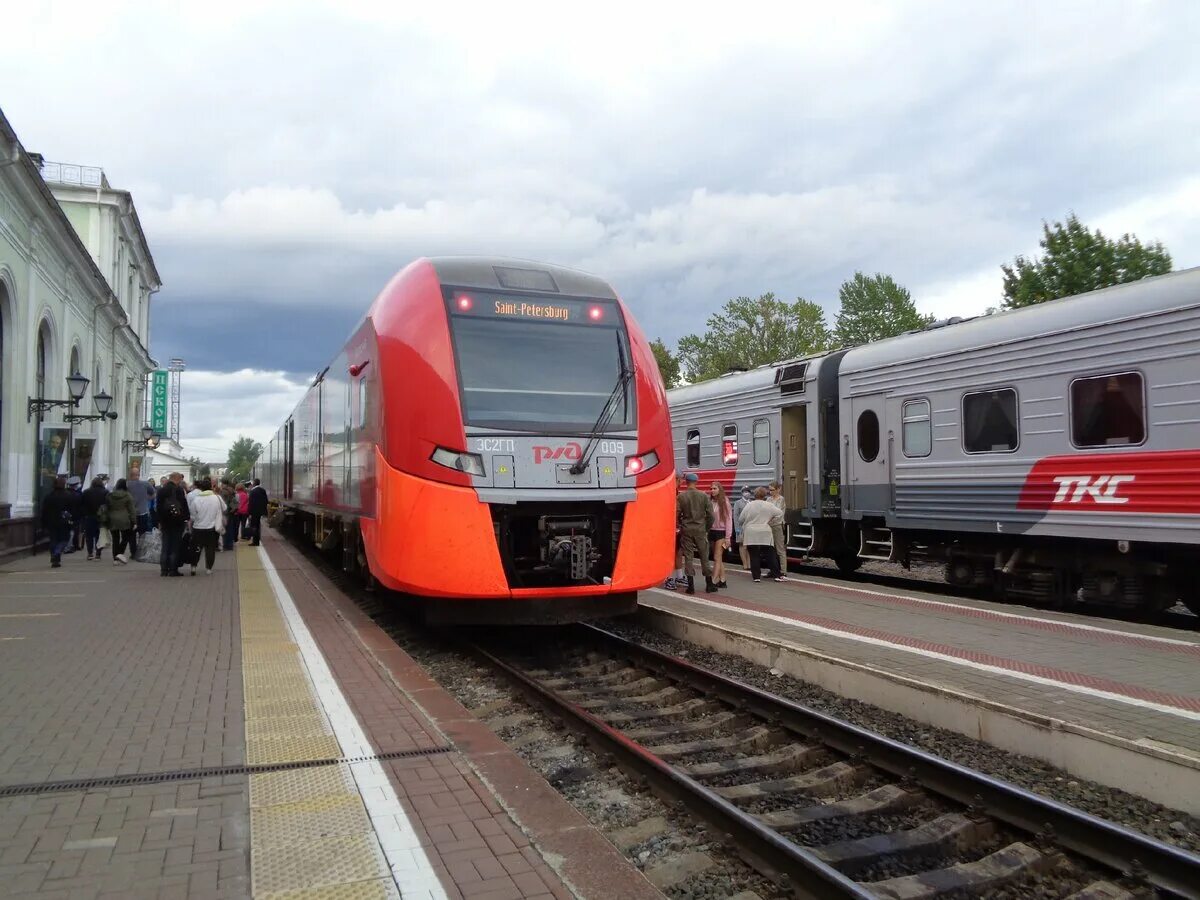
column 1112, row 702
column 253, row 733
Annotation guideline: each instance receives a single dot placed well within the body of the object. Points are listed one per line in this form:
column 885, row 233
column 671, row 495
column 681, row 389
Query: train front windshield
column 539, row 365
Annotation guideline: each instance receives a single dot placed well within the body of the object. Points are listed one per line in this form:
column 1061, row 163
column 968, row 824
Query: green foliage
column 194, row 466
column 668, row 364
column 875, row 307
column 1077, row 260
column 749, row 332
column 242, row 456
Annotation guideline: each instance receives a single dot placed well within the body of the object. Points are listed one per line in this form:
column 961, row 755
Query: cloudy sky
column 287, row 158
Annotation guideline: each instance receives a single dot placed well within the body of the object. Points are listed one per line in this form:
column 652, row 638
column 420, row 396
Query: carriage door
column 867, row 456
column 794, row 456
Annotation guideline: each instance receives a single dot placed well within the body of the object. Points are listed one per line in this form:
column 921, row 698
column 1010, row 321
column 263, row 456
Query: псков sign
column 158, row 401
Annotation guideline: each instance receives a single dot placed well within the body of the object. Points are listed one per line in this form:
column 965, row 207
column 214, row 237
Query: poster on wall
column 135, row 466
column 81, row 457
column 50, row 454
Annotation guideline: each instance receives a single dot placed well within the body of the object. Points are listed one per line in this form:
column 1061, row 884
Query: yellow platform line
column 310, row 835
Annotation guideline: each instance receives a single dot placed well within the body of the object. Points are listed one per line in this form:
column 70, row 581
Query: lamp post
column 77, row 385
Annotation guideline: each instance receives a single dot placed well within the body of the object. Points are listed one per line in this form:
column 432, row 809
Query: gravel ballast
column 1170, row 826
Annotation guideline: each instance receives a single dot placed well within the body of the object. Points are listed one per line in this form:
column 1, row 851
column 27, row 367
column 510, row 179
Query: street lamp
column 148, row 441
column 77, row 386
column 103, row 403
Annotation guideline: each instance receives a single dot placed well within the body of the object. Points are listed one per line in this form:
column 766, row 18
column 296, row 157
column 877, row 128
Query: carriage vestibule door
column 793, row 463
column 867, row 453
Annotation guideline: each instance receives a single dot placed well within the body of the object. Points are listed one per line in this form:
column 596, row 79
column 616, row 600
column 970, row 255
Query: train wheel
column 848, row 562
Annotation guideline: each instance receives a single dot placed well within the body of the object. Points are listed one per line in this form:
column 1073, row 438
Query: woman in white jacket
column 208, row 522
column 756, row 520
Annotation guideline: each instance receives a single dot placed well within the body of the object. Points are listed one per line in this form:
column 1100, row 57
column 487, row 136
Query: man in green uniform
column 695, row 512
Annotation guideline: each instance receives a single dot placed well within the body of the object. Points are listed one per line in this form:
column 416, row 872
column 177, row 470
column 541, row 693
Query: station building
column 76, row 282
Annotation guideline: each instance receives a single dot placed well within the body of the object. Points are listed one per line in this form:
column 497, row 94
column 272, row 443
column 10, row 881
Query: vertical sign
column 158, row 401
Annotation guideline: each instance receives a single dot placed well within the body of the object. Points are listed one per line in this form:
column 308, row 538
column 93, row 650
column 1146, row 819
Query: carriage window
column 693, row 448
column 868, row 435
column 1108, row 410
column 762, row 442
column 729, row 445
column 916, row 435
column 990, row 421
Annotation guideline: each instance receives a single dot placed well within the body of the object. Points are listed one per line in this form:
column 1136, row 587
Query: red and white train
column 492, row 441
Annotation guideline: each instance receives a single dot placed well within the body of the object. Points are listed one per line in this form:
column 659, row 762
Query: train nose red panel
column 438, row 540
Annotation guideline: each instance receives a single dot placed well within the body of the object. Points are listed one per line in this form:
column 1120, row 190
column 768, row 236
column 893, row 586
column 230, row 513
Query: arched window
column 39, row 369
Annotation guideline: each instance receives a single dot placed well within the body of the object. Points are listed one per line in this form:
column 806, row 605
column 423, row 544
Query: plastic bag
column 149, row 547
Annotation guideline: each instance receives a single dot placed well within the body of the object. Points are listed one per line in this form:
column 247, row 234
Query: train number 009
column 616, row 447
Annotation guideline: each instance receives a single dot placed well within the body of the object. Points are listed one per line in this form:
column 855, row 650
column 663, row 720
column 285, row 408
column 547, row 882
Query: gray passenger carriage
column 773, row 423
column 1053, row 452
column 1056, row 448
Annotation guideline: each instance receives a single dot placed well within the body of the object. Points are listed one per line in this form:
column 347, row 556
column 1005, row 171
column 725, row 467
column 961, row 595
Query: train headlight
column 471, row 463
column 636, row 465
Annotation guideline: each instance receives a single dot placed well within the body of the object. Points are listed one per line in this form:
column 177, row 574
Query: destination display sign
column 475, row 304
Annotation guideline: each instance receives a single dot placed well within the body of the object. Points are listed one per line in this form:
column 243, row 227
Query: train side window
column 1108, row 410
column 990, row 421
column 762, row 441
column 868, row 435
column 729, row 445
column 693, row 448
column 916, row 433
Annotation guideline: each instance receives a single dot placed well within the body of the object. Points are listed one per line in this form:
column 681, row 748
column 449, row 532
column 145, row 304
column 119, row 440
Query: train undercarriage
column 1047, row 571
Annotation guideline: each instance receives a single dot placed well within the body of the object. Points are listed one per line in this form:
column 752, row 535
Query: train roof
column 738, row 382
column 500, row 274
column 1113, row 304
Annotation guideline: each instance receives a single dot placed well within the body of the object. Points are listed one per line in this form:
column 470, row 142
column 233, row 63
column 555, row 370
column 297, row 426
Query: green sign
column 158, row 401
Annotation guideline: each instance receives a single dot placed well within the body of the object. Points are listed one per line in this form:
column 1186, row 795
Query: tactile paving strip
column 330, row 861
column 310, row 836
column 378, row 889
column 307, row 820
column 278, row 788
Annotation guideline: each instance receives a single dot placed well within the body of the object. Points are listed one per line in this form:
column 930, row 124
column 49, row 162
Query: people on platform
column 141, row 501
column 122, row 522
column 208, row 521
column 720, row 533
column 60, row 509
column 694, row 511
column 75, row 541
column 243, row 509
column 258, row 506
column 745, row 497
column 758, row 518
column 775, row 496
column 230, row 498
column 93, row 501
column 172, row 507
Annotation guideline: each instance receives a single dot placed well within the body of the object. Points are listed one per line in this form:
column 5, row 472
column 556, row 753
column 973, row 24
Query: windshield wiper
column 606, row 414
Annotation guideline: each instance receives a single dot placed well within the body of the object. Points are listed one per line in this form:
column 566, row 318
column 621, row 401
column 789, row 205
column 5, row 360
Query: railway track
column 823, row 807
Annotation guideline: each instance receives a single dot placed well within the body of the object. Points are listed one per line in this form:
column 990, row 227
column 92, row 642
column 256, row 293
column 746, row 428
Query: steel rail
column 797, row 869
column 1161, row 865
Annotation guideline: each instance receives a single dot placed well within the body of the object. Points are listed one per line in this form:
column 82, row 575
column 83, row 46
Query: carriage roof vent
column 735, row 368
column 791, row 378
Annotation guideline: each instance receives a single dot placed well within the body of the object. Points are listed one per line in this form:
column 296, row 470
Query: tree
column 668, row 364
column 194, row 464
column 242, row 456
column 751, row 332
column 1077, row 260
column 875, row 307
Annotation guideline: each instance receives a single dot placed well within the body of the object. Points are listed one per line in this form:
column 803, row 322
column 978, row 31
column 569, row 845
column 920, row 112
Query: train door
column 867, row 455
column 793, row 462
